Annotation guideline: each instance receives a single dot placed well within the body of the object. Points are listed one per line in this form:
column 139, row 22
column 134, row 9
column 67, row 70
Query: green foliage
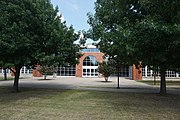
column 31, row 32
column 105, row 69
column 46, row 70
column 139, row 30
column 110, row 25
column 157, row 36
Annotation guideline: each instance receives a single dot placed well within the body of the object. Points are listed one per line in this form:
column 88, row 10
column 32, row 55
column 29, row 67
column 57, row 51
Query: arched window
column 90, row 61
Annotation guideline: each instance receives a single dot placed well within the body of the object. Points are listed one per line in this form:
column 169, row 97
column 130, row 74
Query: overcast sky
column 74, row 12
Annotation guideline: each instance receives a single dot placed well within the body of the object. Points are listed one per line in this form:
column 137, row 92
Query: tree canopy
column 32, row 33
column 157, row 36
column 139, row 30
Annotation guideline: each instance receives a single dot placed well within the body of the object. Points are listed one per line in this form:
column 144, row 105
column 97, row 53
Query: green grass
column 8, row 78
column 168, row 82
column 50, row 104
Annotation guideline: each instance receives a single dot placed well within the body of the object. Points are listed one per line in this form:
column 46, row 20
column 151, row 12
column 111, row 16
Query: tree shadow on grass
column 25, row 93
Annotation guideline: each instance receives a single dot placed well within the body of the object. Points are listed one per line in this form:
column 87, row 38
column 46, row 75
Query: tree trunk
column 5, row 73
column 118, row 78
column 16, row 79
column 163, row 81
column 154, row 73
column 106, row 79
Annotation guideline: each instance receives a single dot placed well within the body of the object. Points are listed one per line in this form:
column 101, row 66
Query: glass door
column 90, row 72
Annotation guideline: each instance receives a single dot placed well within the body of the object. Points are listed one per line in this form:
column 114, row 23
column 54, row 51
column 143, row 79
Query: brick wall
column 98, row 56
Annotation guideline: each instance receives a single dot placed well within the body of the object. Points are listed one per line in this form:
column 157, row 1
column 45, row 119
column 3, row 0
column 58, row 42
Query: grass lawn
column 52, row 104
column 168, row 82
column 8, row 78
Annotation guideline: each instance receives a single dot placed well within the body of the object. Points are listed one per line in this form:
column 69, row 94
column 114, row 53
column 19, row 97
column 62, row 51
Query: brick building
column 88, row 63
column 88, row 66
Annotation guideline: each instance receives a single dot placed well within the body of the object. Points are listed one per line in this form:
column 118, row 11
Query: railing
column 146, row 72
column 66, row 71
column 24, row 71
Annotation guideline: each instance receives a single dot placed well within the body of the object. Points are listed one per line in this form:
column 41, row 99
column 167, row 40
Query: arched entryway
column 90, row 67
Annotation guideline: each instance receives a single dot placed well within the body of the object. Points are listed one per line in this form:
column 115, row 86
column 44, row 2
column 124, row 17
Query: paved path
column 126, row 85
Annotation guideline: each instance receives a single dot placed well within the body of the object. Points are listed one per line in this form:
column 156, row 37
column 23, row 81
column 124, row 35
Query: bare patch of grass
column 45, row 104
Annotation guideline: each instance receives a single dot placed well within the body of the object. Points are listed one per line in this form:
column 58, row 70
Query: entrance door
column 90, row 67
column 90, row 72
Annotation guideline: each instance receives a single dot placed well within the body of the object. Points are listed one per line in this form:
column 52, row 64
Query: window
column 90, row 50
column 90, row 61
column 25, row 70
column 66, row 71
column 123, row 72
column 149, row 73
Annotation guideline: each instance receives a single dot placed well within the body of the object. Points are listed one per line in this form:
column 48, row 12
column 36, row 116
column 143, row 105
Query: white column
column 9, row 71
column 146, row 71
column 151, row 71
column 24, row 70
column 177, row 75
column 20, row 70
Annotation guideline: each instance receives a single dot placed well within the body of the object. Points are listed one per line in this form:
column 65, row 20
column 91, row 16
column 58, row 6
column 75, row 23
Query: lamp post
column 118, row 81
column 118, row 69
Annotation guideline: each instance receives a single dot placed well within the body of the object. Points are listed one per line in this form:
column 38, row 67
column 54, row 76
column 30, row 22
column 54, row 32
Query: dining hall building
column 88, row 67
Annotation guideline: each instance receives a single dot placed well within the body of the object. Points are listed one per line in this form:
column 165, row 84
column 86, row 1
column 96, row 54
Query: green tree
column 32, row 33
column 157, row 36
column 139, row 30
column 110, row 25
column 105, row 69
column 46, row 70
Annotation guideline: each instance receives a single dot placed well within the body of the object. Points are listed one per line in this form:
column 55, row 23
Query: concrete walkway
column 126, row 85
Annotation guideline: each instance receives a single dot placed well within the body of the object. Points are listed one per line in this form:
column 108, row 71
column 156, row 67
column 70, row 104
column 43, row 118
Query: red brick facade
column 136, row 73
column 36, row 73
column 97, row 55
